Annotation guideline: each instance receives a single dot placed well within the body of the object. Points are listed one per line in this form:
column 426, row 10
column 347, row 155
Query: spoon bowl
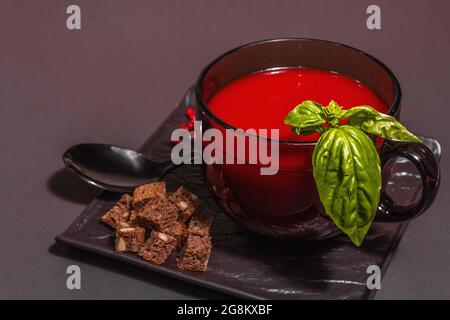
column 113, row 168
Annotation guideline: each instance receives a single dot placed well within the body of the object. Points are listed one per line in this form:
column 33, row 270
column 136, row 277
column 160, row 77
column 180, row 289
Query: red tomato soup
column 262, row 100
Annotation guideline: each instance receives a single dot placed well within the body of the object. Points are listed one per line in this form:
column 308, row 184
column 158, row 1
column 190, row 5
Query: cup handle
column 427, row 164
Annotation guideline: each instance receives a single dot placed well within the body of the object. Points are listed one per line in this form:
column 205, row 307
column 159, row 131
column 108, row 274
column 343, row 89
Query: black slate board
column 244, row 265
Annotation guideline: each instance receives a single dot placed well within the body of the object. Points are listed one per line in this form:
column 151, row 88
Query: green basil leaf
column 360, row 111
column 334, row 109
column 347, row 172
column 335, row 113
column 373, row 122
column 306, row 118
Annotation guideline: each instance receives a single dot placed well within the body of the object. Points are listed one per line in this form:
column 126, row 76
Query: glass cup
column 286, row 205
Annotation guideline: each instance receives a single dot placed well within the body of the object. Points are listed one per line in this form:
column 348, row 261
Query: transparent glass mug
column 286, row 205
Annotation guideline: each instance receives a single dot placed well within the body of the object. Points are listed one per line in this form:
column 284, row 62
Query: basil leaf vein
column 373, row 122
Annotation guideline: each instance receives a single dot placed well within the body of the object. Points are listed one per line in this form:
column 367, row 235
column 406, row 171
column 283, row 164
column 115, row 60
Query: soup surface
column 262, row 100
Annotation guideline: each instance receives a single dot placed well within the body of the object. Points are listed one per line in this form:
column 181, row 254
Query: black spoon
column 113, row 168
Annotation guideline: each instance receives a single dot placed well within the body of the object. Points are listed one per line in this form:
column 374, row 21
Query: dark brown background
column 118, row 77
